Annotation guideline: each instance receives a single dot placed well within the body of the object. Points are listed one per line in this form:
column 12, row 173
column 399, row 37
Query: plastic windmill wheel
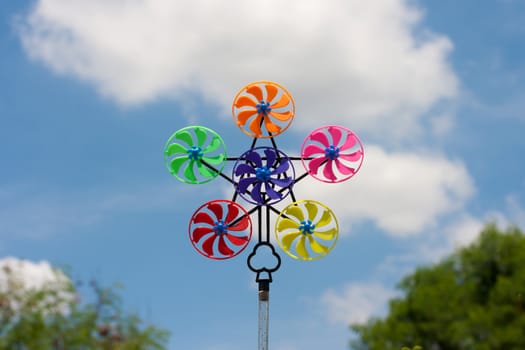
column 332, row 154
column 220, row 229
column 263, row 175
column 306, row 230
column 195, row 154
column 263, row 105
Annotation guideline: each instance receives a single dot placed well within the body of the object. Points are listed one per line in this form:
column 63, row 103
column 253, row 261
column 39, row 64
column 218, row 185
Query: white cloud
column 403, row 193
column 371, row 62
column 463, row 231
column 17, row 277
column 357, row 302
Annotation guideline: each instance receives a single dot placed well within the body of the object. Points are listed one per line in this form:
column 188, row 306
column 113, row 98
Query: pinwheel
column 195, row 148
column 220, row 229
column 263, row 103
column 306, row 230
column 263, row 175
column 332, row 154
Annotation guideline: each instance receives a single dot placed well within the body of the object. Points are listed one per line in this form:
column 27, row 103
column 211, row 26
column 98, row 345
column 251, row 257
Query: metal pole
column 264, row 310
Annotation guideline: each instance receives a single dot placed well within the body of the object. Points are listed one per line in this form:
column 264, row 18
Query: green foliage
column 53, row 318
column 472, row 300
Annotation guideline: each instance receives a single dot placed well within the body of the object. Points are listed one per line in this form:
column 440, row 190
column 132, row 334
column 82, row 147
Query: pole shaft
column 264, row 311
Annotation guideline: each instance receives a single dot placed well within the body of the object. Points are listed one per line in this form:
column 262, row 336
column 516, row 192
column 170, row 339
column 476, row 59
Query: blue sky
column 91, row 91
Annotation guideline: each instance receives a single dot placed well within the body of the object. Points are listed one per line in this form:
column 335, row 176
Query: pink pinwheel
column 332, row 154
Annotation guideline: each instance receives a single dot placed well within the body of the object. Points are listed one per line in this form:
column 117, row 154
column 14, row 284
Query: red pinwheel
column 220, row 229
column 332, row 154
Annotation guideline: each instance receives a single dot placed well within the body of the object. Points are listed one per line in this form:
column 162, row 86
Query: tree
column 474, row 299
column 50, row 316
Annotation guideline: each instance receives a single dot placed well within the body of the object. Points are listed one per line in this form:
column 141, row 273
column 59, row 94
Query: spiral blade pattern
column 195, row 155
column 263, row 175
column 220, row 229
column 306, row 230
column 263, row 109
column 332, row 154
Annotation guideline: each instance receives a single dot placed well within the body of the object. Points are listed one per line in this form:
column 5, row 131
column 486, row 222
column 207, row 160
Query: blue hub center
column 220, row 227
column 263, row 107
column 331, row 152
column 263, row 174
column 194, row 153
column 306, row 227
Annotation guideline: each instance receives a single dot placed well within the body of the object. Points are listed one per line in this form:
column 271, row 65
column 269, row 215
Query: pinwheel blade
column 283, row 182
column 271, row 192
column 283, row 101
column 174, row 148
column 352, row 157
column 214, row 160
column 233, row 211
column 201, row 136
column 255, row 125
column 317, row 247
column 295, row 211
column 314, row 164
column 271, row 126
column 176, row 163
column 205, row 218
column 241, row 225
column 255, row 91
column 200, row 232
column 271, row 92
column 284, row 166
column 189, row 172
column 300, row 247
column 244, row 101
column 271, row 156
column 288, row 239
column 320, row 137
column 216, row 209
column 223, row 248
column 243, row 184
column 243, row 116
column 312, row 149
column 328, row 171
column 215, row 143
column 255, row 158
column 236, row 240
column 343, row 169
column 243, row 169
column 285, row 224
column 185, row 136
column 326, row 235
column 351, row 140
column 281, row 116
column 205, row 171
column 207, row 245
column 326, row 218
column 336, row 134
column 256, row 193
column 312, row 210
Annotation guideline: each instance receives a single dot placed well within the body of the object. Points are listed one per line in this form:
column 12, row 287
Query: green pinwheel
column 195, row 154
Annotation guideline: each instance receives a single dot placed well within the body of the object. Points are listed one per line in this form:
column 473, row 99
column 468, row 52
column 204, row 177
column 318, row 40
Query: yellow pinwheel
column 306, row 230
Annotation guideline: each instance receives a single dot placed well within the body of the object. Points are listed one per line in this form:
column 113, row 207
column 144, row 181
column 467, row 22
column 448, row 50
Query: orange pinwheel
column 263, row 105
